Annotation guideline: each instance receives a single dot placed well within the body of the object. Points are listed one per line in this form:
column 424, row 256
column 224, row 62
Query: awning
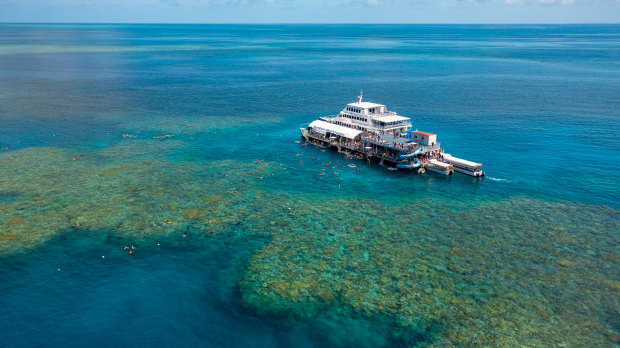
column 388, row 119
column 436, row 163
column 326, row 127
column 459, row 161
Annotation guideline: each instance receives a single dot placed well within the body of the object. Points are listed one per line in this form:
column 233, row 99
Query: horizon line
column 321, row 23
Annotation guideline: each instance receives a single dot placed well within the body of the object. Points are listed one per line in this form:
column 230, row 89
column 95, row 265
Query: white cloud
column 541, row 2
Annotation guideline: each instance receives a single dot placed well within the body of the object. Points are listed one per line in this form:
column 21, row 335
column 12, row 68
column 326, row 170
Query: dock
column 388, row 149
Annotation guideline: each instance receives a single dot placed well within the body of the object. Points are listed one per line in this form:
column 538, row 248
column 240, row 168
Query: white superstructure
column 371, row 118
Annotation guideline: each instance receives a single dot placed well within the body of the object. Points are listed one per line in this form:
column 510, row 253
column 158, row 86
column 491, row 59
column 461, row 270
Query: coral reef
column 516, row 272
column 122, row 188
column 512, row 273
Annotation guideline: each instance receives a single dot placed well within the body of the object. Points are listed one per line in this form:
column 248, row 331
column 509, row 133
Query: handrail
column 359, row 146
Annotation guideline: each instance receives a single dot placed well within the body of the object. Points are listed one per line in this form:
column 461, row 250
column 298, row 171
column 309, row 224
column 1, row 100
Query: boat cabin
column 371, row 118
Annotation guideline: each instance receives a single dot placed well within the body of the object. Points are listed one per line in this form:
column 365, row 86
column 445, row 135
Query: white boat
column 369, row 130
column 464, row 166
column 440, row 167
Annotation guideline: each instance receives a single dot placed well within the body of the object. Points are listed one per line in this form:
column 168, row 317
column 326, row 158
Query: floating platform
column 369, row 130
column 392, row 150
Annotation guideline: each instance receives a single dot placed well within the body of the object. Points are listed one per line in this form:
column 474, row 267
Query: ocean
column 155, row 190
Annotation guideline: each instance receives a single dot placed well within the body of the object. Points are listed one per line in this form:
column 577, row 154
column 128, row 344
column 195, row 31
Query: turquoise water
column 276, row 254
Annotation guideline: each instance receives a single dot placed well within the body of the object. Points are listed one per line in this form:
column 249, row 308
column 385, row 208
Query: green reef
column 123, row 188
column 521, row 272
column 516, row 272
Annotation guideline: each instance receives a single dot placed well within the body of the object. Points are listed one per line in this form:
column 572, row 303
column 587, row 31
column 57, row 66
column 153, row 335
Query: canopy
column 365, row 105
column 326, row 127
column 439, row 164
column 387, row 119
column 458, row 161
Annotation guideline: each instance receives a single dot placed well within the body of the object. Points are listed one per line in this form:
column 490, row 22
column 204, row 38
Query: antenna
column 361, row 95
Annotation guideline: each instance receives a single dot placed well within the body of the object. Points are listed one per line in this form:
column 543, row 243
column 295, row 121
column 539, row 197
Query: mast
column 361, row 95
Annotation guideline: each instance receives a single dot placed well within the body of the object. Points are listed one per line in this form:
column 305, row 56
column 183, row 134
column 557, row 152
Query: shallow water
column 276, row 254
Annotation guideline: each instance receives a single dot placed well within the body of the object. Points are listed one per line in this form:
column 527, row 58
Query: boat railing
column 387, row 113
column 382, row 142
column 433, row 147
column 362, row 146
column 330, row 116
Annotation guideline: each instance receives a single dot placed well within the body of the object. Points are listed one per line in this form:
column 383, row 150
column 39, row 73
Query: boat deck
column 385, row 148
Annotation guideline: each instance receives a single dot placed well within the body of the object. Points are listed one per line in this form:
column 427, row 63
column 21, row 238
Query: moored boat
column 369, row 130
column 464, row 166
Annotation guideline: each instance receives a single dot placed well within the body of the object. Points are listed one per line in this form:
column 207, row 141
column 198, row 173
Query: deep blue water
column 538, row 105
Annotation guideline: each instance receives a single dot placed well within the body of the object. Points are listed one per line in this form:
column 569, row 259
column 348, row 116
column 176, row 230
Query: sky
column 311, row 11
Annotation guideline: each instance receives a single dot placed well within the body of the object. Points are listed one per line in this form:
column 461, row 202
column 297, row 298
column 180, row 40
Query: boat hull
column 449, row 172
column 408, row 166
column 469, row 172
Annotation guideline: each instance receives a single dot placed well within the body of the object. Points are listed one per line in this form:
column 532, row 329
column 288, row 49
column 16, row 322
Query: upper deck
column 371, row 118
